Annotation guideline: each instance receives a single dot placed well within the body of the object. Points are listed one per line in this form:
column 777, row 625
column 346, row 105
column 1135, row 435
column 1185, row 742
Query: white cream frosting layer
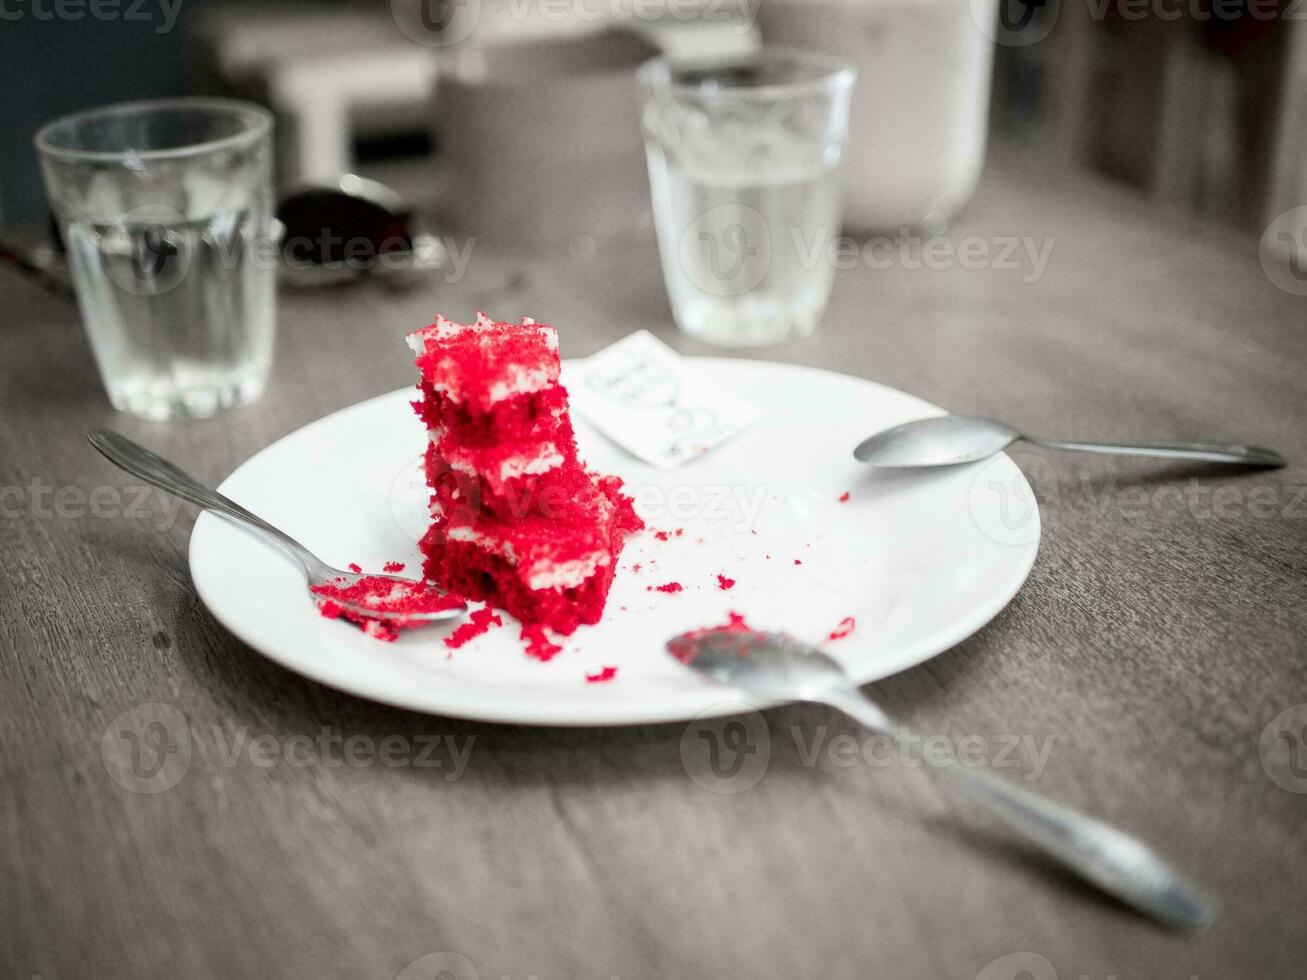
column 546, row 458
column 566, row 574
column 543, row 574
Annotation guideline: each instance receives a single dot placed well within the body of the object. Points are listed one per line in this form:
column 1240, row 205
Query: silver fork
column 155, row 470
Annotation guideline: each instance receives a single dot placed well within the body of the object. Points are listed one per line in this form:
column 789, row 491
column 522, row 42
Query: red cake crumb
column 381, row 594
column 355, row 568
column 844, row 497
column 843, row 629
column 538, row 644
column 662, row 535
column 725, row 583
column 383, row 631
column 636, row 567
column 671, row 587
column 477, row 623
column 329, row 609
column 797, row 562
column 605, row 674
column 393, row 566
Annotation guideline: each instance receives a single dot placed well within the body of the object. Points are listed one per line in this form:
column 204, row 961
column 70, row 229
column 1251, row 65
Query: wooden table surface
column 1148, row 671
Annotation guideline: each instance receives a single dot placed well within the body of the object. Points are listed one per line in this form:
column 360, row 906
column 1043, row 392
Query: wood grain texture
column 1162, row 629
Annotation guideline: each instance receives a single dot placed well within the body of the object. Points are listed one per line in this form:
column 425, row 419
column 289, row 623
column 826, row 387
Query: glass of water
column 165, row 208
column 744, row 170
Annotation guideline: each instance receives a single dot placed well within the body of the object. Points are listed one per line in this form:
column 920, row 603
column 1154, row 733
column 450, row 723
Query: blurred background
column 1200, row 105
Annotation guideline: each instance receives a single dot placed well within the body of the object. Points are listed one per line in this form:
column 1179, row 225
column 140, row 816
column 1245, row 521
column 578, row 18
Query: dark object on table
column 336, row 232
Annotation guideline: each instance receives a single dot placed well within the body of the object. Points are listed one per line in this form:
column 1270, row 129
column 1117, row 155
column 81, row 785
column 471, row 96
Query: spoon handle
column 1117, row 863
column 1211, row 452
column 155, row 470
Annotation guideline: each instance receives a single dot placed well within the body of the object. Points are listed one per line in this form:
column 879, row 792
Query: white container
column 920, row 111
column 541, row 138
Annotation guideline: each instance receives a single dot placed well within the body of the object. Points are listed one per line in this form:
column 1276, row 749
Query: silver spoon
column 775, row 668
column 154, row 469
column 950, row 439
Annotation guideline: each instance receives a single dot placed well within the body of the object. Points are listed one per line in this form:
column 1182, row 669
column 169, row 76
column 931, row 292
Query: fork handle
column 1211, row 452
column 1114, row 861
column 157, row 471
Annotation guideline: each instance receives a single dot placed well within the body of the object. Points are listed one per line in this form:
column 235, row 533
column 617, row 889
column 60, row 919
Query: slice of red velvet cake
column 517, row 520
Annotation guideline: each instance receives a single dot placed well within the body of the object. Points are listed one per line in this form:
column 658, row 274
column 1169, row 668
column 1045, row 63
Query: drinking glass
column 744, row 172
column 165, row 208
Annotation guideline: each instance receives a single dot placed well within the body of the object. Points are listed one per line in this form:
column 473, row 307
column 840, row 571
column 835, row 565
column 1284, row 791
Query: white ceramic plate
column 919, row 559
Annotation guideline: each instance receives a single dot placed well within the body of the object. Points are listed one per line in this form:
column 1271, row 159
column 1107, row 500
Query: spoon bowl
column 942, row 441
column 771, row 666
